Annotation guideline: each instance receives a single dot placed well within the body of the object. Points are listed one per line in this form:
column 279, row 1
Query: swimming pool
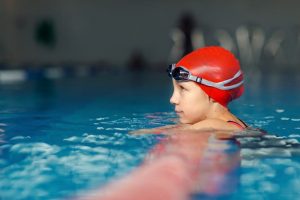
column 61, row 138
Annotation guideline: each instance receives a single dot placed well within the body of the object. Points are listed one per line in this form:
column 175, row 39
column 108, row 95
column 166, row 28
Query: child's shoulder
column 217, row 124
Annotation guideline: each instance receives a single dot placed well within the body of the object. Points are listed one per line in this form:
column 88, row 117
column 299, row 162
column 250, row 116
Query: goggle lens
column 178, row 73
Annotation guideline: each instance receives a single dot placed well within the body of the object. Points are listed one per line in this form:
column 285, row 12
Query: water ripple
column 35, row 148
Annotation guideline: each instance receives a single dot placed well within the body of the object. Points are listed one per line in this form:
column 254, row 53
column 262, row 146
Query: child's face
column 191, row 103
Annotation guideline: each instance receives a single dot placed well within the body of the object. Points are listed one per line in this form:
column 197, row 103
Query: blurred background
column 131, row 34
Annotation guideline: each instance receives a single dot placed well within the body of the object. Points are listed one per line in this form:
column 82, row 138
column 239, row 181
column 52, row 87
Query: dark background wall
column 111, row 31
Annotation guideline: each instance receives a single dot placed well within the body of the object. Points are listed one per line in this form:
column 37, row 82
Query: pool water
column 61, row 138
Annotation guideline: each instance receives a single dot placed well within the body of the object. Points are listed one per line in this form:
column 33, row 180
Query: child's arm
column 158, row 130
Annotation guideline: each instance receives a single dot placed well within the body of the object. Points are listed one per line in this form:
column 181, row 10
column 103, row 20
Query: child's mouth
column 178, row 112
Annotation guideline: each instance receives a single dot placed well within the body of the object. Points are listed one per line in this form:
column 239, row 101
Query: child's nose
column 174, row 99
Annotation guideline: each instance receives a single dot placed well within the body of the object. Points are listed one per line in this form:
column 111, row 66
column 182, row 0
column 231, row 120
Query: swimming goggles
column 182, row 74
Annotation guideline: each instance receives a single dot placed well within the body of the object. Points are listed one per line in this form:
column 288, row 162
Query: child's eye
column 183, row 88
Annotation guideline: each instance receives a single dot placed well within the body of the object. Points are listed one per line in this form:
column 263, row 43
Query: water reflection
column 269, row 146
column 270, row 166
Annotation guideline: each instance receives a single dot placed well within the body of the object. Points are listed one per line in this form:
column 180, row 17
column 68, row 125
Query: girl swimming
column 205, row 81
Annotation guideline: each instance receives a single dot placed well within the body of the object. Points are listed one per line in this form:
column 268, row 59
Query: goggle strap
column 231, row 86
column 194, row 78
column 209, row 83
column 231, row 79
column 219, row 86
column 199, row 80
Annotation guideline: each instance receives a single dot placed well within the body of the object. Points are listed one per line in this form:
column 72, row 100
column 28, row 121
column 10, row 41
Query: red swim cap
column 215, row 64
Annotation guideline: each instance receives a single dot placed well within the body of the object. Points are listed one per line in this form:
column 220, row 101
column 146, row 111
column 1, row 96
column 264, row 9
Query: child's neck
column 219, row 112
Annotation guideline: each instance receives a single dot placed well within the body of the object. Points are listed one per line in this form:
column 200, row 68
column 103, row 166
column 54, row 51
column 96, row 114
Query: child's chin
column 183, row 121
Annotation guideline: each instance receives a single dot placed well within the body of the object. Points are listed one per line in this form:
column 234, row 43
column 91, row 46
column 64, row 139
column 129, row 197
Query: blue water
column 61, row 138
